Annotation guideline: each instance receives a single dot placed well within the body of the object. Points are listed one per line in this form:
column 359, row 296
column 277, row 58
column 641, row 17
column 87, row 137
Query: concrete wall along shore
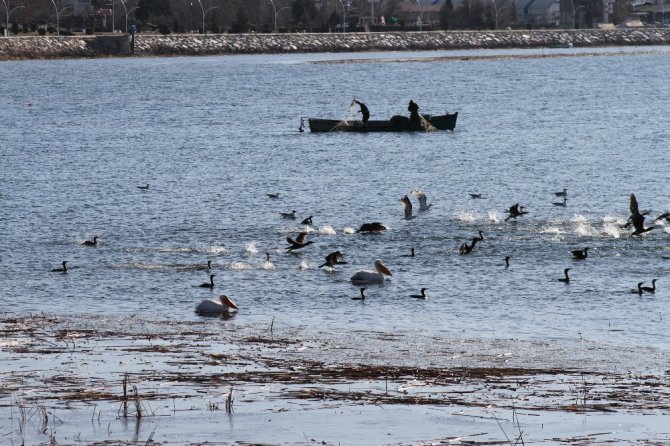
column 44, row 47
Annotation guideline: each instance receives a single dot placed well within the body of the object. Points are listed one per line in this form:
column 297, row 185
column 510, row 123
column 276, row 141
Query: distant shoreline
column 148, row 45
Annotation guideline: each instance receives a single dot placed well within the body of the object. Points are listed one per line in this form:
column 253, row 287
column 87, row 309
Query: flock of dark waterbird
column 636, row 220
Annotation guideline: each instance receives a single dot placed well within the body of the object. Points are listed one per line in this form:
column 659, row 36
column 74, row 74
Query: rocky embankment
column 43, row 47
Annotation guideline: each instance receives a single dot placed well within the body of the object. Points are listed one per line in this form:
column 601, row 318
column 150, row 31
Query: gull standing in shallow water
column 367, row 276
column 208, row 306
column 422, row 200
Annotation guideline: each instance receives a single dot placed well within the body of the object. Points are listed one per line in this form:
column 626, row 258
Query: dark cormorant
column 93, row 242
column 298, row 243
column 637, row 218
column 420, row 296
column 307, row 221
column 507, row 261
column 651, row 289
column 515, row 211
column 61, row 270
column 372, row 227
column 332, row 259
column 209, row 284
column 565, row 279
column 361, row 297
column 580, row 254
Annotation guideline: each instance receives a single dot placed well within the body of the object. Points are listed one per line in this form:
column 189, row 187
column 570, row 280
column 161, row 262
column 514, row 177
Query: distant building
column 81, row 6
column 540, row 12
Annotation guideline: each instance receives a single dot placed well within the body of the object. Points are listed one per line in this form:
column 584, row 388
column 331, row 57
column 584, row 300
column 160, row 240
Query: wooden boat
column 397, row 123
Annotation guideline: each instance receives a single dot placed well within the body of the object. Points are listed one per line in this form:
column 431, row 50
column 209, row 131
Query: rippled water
column 212, row 136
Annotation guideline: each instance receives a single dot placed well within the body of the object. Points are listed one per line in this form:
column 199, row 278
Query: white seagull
column 292, row 215
column 367, row 276
column 421, row 196
column 208, row 306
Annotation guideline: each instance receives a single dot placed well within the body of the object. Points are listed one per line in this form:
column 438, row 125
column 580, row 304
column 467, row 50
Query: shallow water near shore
column 212, row 136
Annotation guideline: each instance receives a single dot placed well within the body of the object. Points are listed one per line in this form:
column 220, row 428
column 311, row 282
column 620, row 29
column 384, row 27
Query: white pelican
column 292, row 215
column 408, row 207
column 61, row 270
column 367, row 276
column 93, row 242
column 422, row 200
column 208, row 306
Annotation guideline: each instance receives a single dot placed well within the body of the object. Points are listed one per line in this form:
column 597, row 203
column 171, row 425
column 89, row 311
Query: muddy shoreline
column 60, row 372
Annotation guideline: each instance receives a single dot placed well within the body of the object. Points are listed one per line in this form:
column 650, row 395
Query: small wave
column 250, row 247
column 613, row 219
column 217, row 250
column 327, row 230
column 585, row 230
column 348, row 230
column 240, row 266
column 551, row 230
column 466, row 216
column 494, row 216
column 303, row 265
column 267, row 265
column 612, row 230
column 578, row 218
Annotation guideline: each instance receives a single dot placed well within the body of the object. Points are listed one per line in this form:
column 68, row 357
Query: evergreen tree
column 446, row 15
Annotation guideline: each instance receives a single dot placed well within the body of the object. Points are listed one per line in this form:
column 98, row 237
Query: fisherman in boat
column 364, row 111
column 413, row 108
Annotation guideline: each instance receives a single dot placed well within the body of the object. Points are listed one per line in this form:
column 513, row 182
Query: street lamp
column 204, row 14
column 127, row 12
column 58, row 13
column 574, row 11
column 9, row 12
column 274, row 8
column 420, row 14
column 344, row 14
column 497, row 11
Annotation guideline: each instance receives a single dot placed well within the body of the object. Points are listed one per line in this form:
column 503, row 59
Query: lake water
column 211, row 136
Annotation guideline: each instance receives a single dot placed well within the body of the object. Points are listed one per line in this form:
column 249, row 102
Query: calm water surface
column 213, row 135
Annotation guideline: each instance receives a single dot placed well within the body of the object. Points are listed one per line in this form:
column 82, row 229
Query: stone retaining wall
column 43, row 47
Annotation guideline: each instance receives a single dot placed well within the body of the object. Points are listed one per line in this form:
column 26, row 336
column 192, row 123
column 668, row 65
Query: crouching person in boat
column 364, row 111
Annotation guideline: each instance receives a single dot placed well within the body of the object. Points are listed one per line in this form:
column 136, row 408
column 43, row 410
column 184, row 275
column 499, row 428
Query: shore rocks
column 44, row 47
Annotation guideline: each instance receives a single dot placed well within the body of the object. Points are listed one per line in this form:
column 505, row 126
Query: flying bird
column 332, row 259
column 515, row 211
column 369, row 277
column 421, row 196
column 665, row 215
column 298, row 243
column 637, row 218
column 408, row 207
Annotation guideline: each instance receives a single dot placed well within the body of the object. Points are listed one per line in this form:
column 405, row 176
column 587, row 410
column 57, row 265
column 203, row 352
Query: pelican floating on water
column 367, row 276
column 292, row 215
column 61, row 270
column 408, row 207
column 420, row 296
column 209, row 284
column 332, row 259
column 225, row 305
column 651, row 289
column 93, row 242
column 298, row 243
column 515, row 211
column 421, row 196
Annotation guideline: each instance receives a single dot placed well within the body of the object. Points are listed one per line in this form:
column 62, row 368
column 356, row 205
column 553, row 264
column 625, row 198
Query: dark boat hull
column 395, row 124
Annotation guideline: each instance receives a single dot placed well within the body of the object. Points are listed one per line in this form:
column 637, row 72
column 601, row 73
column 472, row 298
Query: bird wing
column 420, row 196
column 633, row 205
column 638, row 222
column 301, row 238
column 407, row 205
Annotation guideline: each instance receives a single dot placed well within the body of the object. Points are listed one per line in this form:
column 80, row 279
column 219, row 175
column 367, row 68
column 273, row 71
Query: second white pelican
column 208, row 306
column 367, row 276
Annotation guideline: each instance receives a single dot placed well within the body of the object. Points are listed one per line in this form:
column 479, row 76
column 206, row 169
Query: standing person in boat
column 413, row 108
column 364, row 111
